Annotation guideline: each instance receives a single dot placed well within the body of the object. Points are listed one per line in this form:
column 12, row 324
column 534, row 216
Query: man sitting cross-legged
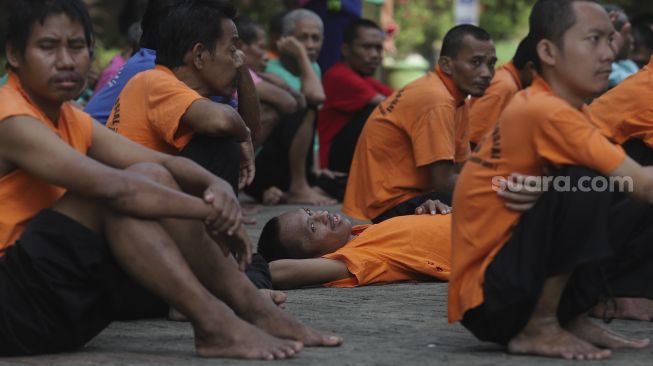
column 307, row 247
column 527, row 280
column 85, row 211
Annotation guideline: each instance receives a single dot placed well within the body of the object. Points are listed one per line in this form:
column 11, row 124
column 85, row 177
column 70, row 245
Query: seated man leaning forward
column 86, row 211
column 527, row 280
column 416, row 140
column 167, row 109
column 309, row 247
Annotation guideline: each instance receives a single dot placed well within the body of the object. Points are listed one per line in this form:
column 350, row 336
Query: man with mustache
column 352, row 93
column 86, row 212
column 416, row 140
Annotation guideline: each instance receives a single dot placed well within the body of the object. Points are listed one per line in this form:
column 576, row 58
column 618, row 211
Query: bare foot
column 629, row 308
column 584, row 328
column 234, row 338
column 280, row 324
column 547, row 338
column 309, row 196
column 273, row 196
column 277, row 297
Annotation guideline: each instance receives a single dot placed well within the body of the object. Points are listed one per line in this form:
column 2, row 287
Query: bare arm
column 442, row 176
column 640, row 177
column 311, row 84
column 248, row 104
column 279, row 98
column 24, row 142
column 295, row 273
column 215, row 119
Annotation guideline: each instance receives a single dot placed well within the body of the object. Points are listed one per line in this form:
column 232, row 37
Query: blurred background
column 415, row 27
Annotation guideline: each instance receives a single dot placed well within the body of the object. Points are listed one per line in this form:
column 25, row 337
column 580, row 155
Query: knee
column 155, row 172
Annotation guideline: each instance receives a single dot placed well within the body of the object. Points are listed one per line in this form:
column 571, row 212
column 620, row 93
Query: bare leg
column 155, row 261
column 277, row 297
column 543, row 334
column 300, row 191
column 269, row 120
column 630, row 308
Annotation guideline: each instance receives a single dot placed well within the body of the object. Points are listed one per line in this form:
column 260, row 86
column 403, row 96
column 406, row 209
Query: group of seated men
column 141, row 218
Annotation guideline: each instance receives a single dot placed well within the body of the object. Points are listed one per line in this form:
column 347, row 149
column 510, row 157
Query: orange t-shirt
column 403, row 248
column 626, row 111
column 415, row 126
column 149, row 110
column 23, row 195
column 484, row 111
column 536, row 128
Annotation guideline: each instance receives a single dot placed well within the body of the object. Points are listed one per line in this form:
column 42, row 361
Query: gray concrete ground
column 400, row 324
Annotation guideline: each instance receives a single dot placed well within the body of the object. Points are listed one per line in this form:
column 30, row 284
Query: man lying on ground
column 307, row 247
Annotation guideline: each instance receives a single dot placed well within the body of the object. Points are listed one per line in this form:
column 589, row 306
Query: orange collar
column 451, row 86
column 13, row 82
column 510, row 67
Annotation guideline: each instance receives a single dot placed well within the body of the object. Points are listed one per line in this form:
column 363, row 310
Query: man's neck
column 563, row 91
column 51, row 109
column 189, row 77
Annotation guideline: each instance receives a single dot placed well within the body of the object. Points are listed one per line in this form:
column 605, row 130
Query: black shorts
column 60, row 286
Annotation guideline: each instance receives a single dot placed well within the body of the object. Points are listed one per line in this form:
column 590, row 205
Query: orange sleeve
column 569, row 139
column 433, row 135
column 167, row 102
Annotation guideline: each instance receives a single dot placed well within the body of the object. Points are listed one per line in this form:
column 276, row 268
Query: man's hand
column 432, row 207
column 238, row 244
column 292, row 46
column 247, row 166
column 520, row 191
column 226, row 216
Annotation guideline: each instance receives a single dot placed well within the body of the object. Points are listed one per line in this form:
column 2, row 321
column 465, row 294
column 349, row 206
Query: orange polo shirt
column 415, row 126
column 536, row 128
column 484, row 111
column 149, row 110
column 23, row 195
column 626, row 111
column 403, row 248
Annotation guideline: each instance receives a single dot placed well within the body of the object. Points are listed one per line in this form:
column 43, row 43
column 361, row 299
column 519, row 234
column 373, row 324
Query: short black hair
column 642, row 32
column 453, row 40
column 525, row 52
column 351, row 31
column 551, row 19
column 188, row 23
column 25, row 13
column 270, row 246
column 246, row 29
column 276, row 24
column 156, row 10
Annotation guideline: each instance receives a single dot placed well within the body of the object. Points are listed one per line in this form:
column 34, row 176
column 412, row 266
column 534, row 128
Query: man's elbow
column 289, row 106
column 315, row 99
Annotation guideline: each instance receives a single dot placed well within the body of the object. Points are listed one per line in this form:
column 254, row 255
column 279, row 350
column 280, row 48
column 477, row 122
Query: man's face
column 220, row 69
column 473, row 67
column 309, row 33
column 585, row 61
column 365, row 53
column 56, row 60
column 320, row 232
column 255, row 56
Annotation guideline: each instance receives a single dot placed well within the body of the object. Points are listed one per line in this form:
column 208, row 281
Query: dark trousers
column 639, row 151
column 344, row 144
column 408, row 207
column 601, row 238
column 221, row 156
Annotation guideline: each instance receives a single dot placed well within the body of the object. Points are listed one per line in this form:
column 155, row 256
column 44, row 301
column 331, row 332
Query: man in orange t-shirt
column 308, row 247
column 414, row 142
column 625, row 114
column 528, row 280
column 167, row 109
column 88, row 216
column 508, row 80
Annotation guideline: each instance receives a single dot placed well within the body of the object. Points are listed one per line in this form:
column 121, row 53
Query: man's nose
column 64, row 59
